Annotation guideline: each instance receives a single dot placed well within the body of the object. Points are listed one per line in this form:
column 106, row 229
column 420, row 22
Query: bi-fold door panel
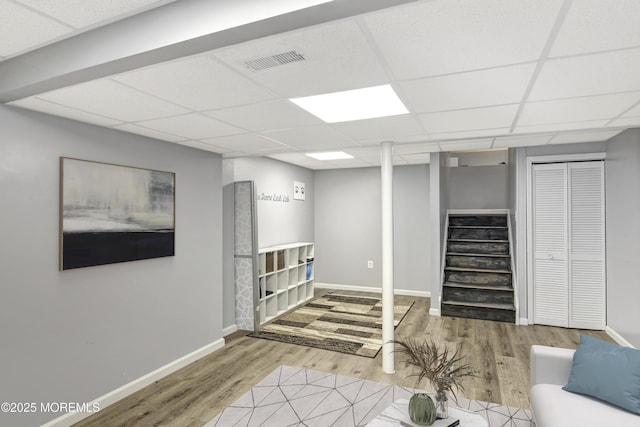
column 550, row 278
column 587, row 246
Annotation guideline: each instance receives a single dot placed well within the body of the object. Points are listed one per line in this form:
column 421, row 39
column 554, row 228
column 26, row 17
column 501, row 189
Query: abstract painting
column 111, row 213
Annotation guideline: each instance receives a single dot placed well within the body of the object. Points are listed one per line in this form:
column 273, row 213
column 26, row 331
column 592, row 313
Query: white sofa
column 554, row 407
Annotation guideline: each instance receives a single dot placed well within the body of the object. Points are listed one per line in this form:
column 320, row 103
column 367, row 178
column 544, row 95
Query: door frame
column 531, row 160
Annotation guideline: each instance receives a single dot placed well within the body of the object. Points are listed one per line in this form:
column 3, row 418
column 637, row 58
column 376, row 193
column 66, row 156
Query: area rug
column 302, row 397
column 343, row 323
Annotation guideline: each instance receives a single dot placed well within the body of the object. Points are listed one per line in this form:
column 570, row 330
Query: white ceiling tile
column 22, row 29
column 588, row 75
column 439, row 37
column 556, row 127
column 505, row 85
column 37, row 104
column 197, row 82
column 111, row 99
column 410, row 149
column 471, row 134
column 291, row 157
column 383, row 128
column 476, row 144
column 248, row 143
column 397, row 140
column 337, row 54
column 350, row 163
column 415, row 159
column 626, row 121
column 376, row 160
column 594, row 136
column 81, row 13
column 151, row 133
column 634, row 112
column 577, row 109
column 372, row 151
column 311, row 138
column 471, row 119
column 597, row 25
column 192, row 126
column 521, row 141
column 269, row 115
column 201, row 146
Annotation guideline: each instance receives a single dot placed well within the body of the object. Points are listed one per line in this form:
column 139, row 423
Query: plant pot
column 422, row 410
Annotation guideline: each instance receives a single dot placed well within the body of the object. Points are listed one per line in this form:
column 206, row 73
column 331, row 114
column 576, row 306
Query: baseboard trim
column 523, row 321
column 617, row 337
column 229, row 330
column 110, row 398
column 378, row 290
column 434, row 312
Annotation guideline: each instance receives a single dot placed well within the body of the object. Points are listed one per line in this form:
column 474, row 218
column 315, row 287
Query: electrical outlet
column 369, row 264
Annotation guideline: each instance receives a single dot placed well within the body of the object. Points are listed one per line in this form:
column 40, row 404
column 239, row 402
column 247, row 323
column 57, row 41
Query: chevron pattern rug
column 302, row 397
column 343, row 323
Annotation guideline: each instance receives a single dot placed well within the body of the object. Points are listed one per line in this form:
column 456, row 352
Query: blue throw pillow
column 607, row 372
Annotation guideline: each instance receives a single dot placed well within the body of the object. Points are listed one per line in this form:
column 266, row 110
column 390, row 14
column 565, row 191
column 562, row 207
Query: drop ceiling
column 474, row 75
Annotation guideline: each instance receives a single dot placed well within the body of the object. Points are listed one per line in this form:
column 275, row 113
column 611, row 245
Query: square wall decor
column 111, row 213
column 298, row 190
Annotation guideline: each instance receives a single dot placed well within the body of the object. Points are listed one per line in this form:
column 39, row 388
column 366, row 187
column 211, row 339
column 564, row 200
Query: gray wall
column 479, row 187
column 623, row 234
column 279, row 222
column 520, row 236
column 348, row 227
column 73, row 336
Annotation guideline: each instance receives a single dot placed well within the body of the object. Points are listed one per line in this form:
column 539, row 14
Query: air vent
column 276, row 60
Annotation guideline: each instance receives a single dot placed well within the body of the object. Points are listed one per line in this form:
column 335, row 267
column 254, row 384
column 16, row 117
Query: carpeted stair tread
column 480, row 255
column 474, row 286
column 478, row 226
column 478, row 240
column 477, row 270
column 495, row 306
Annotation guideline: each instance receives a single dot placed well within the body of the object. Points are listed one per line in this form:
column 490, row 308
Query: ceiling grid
column 473, row 75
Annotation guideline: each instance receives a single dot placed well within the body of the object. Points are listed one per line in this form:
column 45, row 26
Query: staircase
column 478, row 279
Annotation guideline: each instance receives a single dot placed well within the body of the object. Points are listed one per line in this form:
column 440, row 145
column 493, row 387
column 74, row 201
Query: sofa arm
column 550, row 365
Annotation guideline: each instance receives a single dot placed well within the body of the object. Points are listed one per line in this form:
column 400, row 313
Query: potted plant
column 441, row 367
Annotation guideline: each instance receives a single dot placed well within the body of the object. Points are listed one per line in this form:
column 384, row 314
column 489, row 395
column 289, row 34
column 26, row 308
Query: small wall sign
column 298, row 190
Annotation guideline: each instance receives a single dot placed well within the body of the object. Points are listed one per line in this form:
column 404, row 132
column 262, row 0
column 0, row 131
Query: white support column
column 388, row 364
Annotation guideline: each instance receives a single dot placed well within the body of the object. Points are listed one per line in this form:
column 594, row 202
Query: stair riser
column 479, row 220
column 478, row 233
column 479, row 313
column 477, row 278
column 485, row 263
column 497, row 248
column 477, row 295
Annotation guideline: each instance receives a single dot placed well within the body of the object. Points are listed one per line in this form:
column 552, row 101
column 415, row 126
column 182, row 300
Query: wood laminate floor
column 193, row 395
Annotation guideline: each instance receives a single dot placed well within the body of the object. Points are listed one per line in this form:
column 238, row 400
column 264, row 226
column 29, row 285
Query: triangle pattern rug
column 343, row 323
column 302, row 397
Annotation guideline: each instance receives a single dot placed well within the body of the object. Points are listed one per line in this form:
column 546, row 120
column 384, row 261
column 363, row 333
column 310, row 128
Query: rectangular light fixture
column 357, row 104
column 330, row 155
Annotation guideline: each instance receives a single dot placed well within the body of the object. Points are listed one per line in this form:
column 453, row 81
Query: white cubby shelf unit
column 285, row 278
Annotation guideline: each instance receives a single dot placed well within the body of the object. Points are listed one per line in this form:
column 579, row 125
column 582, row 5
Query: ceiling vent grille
column 276, row 60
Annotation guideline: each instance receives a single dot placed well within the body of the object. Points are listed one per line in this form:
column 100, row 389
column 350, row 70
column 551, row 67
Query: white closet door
column 587, row 297
column 550, row 266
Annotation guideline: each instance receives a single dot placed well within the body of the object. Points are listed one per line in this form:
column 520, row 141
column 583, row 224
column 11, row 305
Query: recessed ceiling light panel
column 357, row 104
column 330, row 155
